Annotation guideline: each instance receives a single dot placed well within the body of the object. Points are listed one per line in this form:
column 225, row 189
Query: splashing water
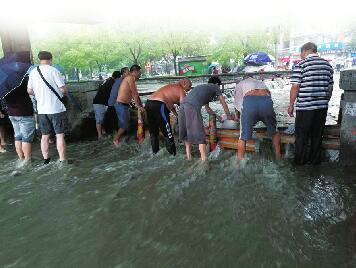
column 125, row 207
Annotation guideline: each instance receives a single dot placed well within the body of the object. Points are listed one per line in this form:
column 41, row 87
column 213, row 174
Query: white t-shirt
column 243, row 88
column 47, row 101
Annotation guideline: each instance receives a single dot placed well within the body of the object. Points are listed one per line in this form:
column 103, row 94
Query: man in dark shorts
column 100, row 102
column 158, row 107
column 191, row 126
column 51, row 110
column 253, row 101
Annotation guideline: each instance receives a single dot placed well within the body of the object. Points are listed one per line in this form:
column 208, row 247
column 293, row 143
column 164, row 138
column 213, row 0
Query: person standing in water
column 158, row 107
column 21, row 114
column 100, row 102
column 191, row 126
column 312, row 87
column 253, row 101
column 2, row 129
column 127, row 93
column 47, row 85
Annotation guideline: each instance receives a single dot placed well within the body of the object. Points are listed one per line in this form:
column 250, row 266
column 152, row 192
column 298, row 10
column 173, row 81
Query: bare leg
column 27, row 150
column 61, row 146
column 2, row 149
column 276, row 140
column 241, row 148
column 118, row 135
column 188, row 150
column 99, row 130
column 18, row 147
column 202, row 149
column 2, row 136
column 45, row 146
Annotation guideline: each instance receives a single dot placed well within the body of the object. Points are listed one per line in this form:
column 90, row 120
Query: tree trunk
column 91, row 71
column 100, row 67
column 76, row 70
column 175, row 64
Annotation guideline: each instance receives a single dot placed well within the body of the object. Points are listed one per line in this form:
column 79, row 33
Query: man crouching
column 253, row 100
column 158, row 108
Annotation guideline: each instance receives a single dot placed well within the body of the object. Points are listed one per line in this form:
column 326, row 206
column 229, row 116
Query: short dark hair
column 215, row 80
column 309, row 47
column 116, row 74
column 135, row 67
column 124, row 69
column 45, row 55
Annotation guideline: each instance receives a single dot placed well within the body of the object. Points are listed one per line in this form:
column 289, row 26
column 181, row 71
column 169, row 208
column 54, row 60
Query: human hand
column 220, row 119
column 230, row 117
column 290, row 110
column 141, row 109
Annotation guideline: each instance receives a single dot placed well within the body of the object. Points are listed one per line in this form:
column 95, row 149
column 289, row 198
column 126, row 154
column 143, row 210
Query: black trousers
column 159, row 119
column 309, row 125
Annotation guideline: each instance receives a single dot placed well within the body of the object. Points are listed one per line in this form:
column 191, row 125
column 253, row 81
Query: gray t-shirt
column 202, row 95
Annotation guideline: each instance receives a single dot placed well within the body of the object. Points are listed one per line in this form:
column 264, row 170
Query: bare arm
column 182, row 96
column 30, row 91
column 64, row 90
column 209, row 110
column 237, row 114
column 226, row 109
column 293, row 96
column 174, row 111
column 135, row 95
column 331, row 88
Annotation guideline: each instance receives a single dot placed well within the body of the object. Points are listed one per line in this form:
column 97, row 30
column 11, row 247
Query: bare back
column 169, row 94
column 126, row 88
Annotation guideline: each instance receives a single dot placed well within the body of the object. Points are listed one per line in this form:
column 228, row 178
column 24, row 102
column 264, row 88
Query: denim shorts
column 254, row 109
column 100, row 111
column 123, row 114
column 24, row 128
column 57, row 123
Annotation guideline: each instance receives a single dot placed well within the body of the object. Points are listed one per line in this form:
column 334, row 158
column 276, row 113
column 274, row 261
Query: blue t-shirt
column 114, row 91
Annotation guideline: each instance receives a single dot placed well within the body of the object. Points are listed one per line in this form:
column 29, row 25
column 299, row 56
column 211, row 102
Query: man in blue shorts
column 253, row 100
column 127, row 93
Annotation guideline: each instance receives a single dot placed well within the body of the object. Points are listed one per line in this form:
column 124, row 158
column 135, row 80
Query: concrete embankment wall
column 80, row 107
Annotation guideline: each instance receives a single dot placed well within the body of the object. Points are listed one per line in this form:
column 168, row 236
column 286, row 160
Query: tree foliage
column 90, row 51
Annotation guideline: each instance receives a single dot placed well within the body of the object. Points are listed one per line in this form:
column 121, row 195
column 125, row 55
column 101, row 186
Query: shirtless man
column 127, row 93
column 254, row 103
column 158, row 107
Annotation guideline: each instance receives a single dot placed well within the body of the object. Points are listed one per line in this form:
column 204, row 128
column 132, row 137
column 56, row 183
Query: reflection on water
column 128, row 208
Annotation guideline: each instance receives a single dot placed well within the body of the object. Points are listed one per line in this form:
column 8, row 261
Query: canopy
column 258, row 58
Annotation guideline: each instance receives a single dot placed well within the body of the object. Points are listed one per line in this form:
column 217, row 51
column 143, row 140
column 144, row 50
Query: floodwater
column 124, row 207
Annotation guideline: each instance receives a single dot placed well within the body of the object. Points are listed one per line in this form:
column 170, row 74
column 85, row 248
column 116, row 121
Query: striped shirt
column 313, row 75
